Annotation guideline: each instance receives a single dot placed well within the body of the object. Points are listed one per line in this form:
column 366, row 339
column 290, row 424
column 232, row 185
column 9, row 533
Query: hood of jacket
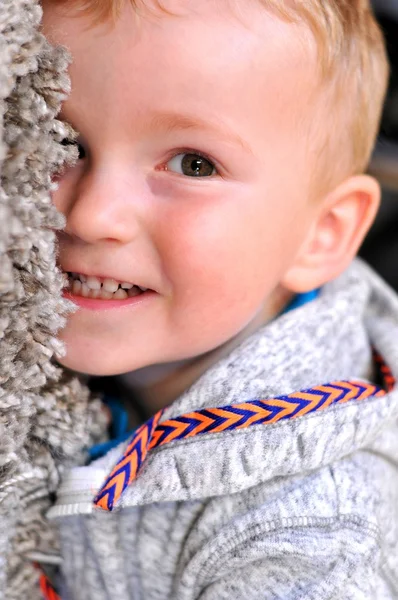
column 332, row 339
column 45, row 415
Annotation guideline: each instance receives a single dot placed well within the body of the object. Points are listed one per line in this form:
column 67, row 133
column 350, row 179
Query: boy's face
column 213, row 248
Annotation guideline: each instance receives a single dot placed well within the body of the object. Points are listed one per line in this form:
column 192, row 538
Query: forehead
column 218, row 57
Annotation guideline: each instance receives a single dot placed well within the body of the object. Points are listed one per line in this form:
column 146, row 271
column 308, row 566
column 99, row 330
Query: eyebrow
column 173, row 121
column 170, row 121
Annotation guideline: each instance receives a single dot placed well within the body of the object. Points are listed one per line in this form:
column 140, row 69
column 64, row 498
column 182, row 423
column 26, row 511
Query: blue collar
column 301, row 300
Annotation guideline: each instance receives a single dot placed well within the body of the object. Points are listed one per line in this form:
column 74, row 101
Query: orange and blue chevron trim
column 129, row 466
column 229, row 418
column 385, row 372
column 47, row 589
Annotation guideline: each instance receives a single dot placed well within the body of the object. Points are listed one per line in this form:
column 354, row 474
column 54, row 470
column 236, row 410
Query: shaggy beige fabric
column 46, row 416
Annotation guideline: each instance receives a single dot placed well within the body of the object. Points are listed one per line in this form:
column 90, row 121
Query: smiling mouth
column 101, row 289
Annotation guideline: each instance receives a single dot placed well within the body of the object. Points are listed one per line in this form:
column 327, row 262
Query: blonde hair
column 353, row 65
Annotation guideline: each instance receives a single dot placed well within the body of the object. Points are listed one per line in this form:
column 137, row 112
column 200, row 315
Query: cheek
column 224, row 258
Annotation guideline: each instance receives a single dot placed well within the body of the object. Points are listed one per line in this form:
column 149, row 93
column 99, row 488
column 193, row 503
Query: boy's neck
column 158, row 386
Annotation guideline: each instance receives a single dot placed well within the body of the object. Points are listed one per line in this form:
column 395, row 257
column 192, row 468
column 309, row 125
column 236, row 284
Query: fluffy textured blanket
column 46, row 415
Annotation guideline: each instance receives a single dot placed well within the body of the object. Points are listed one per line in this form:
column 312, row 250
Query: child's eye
column 191, row 165
column 82, row 151
column 80, row 148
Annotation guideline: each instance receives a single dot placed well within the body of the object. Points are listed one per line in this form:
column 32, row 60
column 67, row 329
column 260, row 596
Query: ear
column 340, row 225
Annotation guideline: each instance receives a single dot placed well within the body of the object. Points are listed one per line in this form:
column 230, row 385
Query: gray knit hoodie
column 303, row 505
column 45, row 416
column 300, row 505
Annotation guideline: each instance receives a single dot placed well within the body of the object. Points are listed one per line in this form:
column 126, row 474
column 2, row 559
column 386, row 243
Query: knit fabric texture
column 289, row 491
column 46, row 415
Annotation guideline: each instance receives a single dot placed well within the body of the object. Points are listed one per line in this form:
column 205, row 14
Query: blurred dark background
column 381, row 246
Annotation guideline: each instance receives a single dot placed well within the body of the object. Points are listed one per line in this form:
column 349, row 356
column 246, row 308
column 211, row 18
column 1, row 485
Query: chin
column 95, row 364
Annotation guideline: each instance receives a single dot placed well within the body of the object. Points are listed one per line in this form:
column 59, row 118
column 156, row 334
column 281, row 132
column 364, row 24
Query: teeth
column 93, row 283
column 135, row 291
column 104, row 295
column 77, row 287
column 92, row 287
column 85, row 290
column 110, row 285
column 120, row 295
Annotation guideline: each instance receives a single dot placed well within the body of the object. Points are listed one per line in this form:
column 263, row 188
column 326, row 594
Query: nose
column 102, row 207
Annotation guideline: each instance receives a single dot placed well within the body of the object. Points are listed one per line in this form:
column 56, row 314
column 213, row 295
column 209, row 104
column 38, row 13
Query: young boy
column 212, row 217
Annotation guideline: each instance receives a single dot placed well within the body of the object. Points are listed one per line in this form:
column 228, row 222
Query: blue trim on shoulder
column 119, row 431
column 301, row 299
column 100, row 450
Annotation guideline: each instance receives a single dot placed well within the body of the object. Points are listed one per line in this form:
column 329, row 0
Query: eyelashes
column 188, row 163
